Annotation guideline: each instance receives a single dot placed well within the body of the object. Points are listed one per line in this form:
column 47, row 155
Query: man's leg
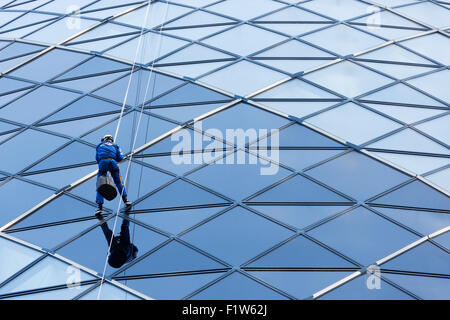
column 102, row 171
column 107, row 232
column 115, row 173
column 125, row 232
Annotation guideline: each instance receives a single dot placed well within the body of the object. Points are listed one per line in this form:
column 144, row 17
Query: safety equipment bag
column 106, row 187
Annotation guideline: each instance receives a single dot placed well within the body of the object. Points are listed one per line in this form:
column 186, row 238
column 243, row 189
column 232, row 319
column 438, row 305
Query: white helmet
column 108, row 137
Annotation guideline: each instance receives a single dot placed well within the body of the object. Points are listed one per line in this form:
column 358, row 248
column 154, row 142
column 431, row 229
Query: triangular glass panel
column 406, row 114
column 244, row 10
column 364, row 243
column 426, row 258
column 50, row 237
column 239, row 175
column 351, row 40
column 187, row 195
column 427, row 44
column 300, row 217
column 429, row 288
column 387, row 18
column 47, row 273
column 62, row 178
column 443, row 240
column 7, row 64
column 24, row 110
column 409, row 140
column 300, row 284
column 195, row 33
column 4, row 99
column 176, row 221
column 298, row 109
column 416, row 195
column 299, row 190
column 414, row 163
column 292, row 14
column 194, row 52
column 173, row 257
column 434, row 84
column 295, row 49
column 427, row 12
column 301, row 253
column 402, row 94
column 394, row 53
column 78, row 127
column 18, row 49
column 441, row 178
column 396, row 70
column 137, row 92
column 232, row 229
column 424, row 222
column 171, row 288
column 301, row 159
column 86, row 106
column 96, row 65
column 20, row 254
column 348, row 79
column 189, row 93
column 185, row 113
column 292, row 66
column 74, row 153
column 350, row 173
column 198, row 18
column 300, row 136
column 337, row 9
column 61, row 209
column 90, row 83
column 292, row 29
column 357, row 289
column 295, row 89
column 238, row 287
column 193, row 70
column 109, row 292
column 8, row 85
column 353, row 123
column 437, row 128
column 102, row 44
column 149, row 128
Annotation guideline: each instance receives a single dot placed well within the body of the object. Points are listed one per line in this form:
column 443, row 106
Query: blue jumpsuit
column 107, row 156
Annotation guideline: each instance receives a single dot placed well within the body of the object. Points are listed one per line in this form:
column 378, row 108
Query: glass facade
column 339, row 188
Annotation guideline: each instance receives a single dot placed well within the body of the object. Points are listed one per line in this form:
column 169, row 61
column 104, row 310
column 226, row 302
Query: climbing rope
column 138, row 125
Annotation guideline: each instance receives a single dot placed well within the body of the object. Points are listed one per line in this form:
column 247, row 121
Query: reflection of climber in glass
column 122, row 250
column 108, row 154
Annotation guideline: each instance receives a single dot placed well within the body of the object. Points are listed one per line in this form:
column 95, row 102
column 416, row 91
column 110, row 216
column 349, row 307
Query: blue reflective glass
column 189, row 93
column 171, row 288
column 60, row 60
column 183, row 114
column 60, row 209
column 238, row 287
column 173, row 257
column 301, row 253
column 8, row 85
column 16, row 253
column 95, row 245
column 186, row 195
column 15, row 157
column 357, row 290
column 300, row 284
column 351, row 172
column 299, row 190
column 237, row 228
column 176, row 221
column 84, row 107
column 95, row 65
column 418, row 195
column 300, row 136
column 138, row 92
column 18, row 48
column 301, row 159
column 88, row 84
column 11, row 208
column 373, row 239
column 36, row 104
column 426, row 258
column 74, row 153
column 109, row 292
column 299, row 216
column 61, row 178
column 424, row 222
column 50, row 237
column 237, row 177
column 443, row 240
column 429, row 288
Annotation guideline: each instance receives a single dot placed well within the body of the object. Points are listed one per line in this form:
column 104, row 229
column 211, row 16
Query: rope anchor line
column 138, row 50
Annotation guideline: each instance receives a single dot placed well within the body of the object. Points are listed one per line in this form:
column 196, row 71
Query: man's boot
column 98, row 213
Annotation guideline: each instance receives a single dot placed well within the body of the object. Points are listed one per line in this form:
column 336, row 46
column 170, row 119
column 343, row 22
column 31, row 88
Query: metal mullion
column 265, row 284
column 170, row 274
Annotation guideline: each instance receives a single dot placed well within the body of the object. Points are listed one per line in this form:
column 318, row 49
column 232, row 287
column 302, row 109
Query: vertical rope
column 137, row 130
